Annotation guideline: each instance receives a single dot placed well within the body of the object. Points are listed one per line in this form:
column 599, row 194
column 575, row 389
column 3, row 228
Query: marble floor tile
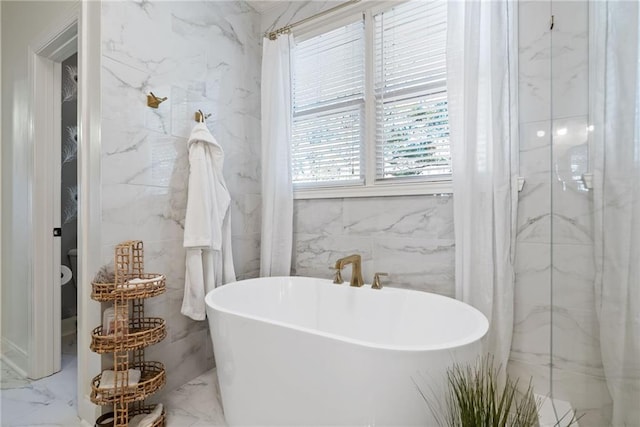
column 196, row 403
column 49, row 401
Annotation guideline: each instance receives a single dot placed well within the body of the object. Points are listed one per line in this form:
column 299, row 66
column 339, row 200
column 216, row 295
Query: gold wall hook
column 201, row 117
column 153, row 101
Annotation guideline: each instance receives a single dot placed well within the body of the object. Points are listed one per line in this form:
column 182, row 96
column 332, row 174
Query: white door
column 45, row 335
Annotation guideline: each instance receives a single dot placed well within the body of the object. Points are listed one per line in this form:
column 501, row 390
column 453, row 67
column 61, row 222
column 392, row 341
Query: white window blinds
column 370, row 100
column 412, row 125
column 328, row 107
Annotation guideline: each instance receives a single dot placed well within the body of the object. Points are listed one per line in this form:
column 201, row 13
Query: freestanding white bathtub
column 304, row 351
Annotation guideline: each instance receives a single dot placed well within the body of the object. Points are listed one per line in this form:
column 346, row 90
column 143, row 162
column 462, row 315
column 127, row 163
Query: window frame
column 371, row 187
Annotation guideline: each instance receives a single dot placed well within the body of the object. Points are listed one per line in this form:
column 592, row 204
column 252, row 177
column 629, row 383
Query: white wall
column 22, row 24
column 201, row 55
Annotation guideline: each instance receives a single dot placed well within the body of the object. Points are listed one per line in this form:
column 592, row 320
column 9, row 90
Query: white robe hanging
column 207, row 225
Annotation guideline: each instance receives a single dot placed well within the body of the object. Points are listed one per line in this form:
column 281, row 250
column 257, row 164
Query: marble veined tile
column 196, row 403
column 570, row 149
column 429, row 217
column 166, row 257
column 138, row 212
column 534, row 210
column 243, row 173
column 570, row 58
column 246, row 214
column 47, row 402
column 573, row 277
column 572, row 202
column 232, row 24
column 560, row 180
column 535, row 145
column 180, row 326
column 142, row 157
column 246, row 255
column 534, row 53
column 185, row 102
column 588, row 395
column 416, row 263
column 50, row 401
column 576, row 341
column 126, row 31
column 196, row 348
column 539, row 374
column 534, row 201
column 125, row 99
column 574, row 227
column 315, row 253
column 531, row 342
column 576, row 333
column 318, row 216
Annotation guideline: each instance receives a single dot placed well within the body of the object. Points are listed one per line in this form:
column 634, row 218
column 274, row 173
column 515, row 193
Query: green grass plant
column 477, row 396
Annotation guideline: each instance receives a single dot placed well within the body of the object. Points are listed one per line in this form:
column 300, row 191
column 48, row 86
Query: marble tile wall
column 201, row 55
column 556, row 323
column 409, row 237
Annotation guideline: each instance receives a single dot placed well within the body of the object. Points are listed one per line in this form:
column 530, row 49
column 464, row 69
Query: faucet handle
column 337, row 278
column 376, row 280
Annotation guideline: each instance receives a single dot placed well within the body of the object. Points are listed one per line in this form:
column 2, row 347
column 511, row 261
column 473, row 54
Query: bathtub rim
column 472, row 338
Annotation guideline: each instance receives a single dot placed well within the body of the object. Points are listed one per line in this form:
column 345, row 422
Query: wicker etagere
column 130, row 337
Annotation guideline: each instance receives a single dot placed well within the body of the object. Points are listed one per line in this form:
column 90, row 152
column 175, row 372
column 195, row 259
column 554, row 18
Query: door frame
column 78, row 29
column 45, row 132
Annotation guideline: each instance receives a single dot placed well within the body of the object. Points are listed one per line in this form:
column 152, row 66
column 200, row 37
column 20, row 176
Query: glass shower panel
column 591, row 151
column 531, row 345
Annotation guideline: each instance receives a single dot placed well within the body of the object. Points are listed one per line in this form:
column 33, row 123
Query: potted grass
column 477, row 395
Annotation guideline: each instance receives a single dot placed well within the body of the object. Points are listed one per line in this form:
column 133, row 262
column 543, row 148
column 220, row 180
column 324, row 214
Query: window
column 328, row 107
column 370, row 101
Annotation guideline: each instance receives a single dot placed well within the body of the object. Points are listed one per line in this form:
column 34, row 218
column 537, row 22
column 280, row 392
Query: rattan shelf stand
column 130, row 337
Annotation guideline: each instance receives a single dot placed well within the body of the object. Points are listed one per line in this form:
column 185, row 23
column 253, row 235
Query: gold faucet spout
column 356, row 273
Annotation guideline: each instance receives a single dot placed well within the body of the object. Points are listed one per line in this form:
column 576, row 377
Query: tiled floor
column 51, row 401
column 196, row 404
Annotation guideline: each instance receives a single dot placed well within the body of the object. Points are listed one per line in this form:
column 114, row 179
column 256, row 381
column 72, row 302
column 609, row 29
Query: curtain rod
column 274, row 34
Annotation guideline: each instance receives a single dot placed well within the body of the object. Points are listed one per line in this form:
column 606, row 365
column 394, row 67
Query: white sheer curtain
column 482, row 85
column 277, row 191
column 615, row 114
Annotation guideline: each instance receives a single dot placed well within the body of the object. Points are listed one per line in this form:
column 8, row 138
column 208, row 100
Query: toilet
column 69, row 324
column 73, row 260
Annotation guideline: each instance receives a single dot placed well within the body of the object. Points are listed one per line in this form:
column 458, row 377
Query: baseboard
column 87, row 410
column 14, row 356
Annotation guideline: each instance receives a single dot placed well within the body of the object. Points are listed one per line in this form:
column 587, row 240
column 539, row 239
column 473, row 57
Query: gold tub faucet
column 356, row 273
column 376, row 280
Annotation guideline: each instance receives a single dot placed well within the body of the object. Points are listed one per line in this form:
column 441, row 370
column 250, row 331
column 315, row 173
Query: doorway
column 68, row 239
column 42, row 35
